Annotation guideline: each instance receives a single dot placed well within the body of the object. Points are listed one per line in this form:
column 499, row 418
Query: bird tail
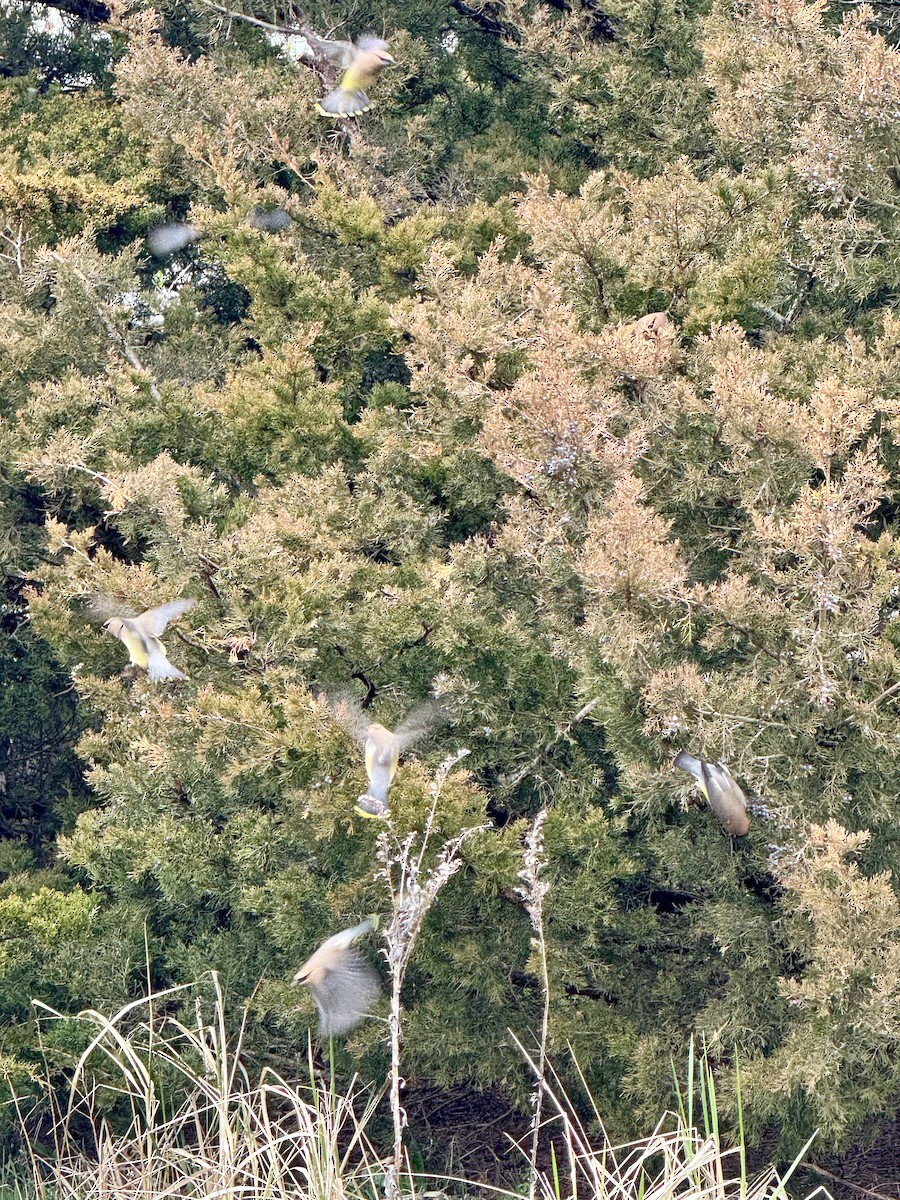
column 342, row 103
column 370, row 806
column 688, row 763
column 159, row 667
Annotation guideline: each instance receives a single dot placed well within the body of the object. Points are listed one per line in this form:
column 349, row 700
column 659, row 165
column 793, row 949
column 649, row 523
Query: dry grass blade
column 222, row 1136
column 677, row 1160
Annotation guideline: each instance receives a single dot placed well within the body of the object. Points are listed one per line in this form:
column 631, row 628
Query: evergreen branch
column 371, row 690
column 515, row 779
column 492, row 25
column 285, row 30
column 895, row 687
column 288, row 157
column 113, row 332
column 320, row 56
column 94, row 11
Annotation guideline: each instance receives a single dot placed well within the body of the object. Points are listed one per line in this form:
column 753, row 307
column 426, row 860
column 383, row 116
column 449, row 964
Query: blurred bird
column 363, row 62
column 166, row 240
column 141, row 635
column 725, row 798
column 652, row 326
column 382, row 755
column 269, row 220
column 382, row 746
column 343, row 984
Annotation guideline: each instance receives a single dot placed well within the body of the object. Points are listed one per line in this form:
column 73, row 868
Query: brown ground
column 461, row 1132
column 872, row 1170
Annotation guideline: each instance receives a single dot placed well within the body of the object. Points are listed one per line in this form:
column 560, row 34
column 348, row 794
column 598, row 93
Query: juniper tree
column 417, row 443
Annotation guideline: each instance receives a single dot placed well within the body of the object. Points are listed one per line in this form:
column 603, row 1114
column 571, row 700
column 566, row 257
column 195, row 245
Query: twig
column 286, row 30
column 895, row 687
column 514, row 780
column 857, row 1187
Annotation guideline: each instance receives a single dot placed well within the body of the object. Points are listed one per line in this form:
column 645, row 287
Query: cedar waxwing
column 141, row 635
column 383, row 747
column 366, row 59
column 343, row 984
column 382, row 755
column 725, row 798
column 652, row 326
column 165, row 240
column 269, row 220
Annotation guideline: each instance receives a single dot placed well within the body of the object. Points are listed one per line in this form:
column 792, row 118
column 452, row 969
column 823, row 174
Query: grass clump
column 159, row 1108
column 191, row 1122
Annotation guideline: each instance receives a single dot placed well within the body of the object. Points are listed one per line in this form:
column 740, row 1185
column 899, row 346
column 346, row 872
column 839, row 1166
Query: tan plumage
column 383, row 747
column 364, row 61
column 382, row 755
column 343, row 984
column 725, row 797
column 140, row 635
column 652, row 326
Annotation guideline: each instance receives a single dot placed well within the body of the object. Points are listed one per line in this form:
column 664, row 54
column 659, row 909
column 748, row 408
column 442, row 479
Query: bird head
column 115, row 625
column 379, row 50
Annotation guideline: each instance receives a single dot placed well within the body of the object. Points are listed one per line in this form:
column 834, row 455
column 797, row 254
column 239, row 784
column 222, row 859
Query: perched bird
column 363, row 62
column 652, row 326
column 343, row 984
column 725, row 798
column 141, row 635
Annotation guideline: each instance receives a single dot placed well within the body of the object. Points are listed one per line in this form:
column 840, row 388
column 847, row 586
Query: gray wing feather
column 101, row 607
column 726, row 798
column 346, row 711
column 687, row 762
column 345, row 995
column 341, row 54
column 419, row 723
column 153, row 622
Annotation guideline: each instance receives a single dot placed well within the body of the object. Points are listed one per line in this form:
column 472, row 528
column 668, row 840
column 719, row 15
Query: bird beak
column 388, row 60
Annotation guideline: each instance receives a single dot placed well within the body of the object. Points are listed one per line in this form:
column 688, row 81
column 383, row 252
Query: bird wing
column 344, row 994
column 726, row 798
column 419, row 723
column 693, row 766
column 153, row 622
column 347, row 712
column 101, row 607
column 340, row 53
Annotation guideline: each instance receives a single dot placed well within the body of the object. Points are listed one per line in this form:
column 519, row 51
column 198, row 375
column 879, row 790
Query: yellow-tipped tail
column 369, row 806
column 341, row 103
